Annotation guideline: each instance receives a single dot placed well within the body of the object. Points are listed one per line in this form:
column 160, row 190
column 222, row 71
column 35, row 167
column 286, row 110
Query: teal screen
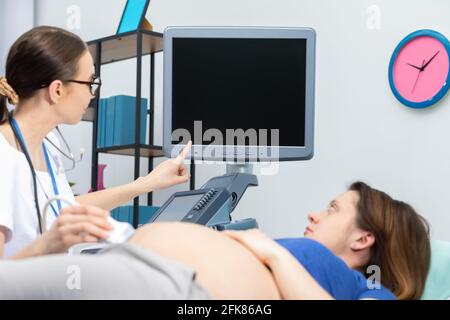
column 132, row 16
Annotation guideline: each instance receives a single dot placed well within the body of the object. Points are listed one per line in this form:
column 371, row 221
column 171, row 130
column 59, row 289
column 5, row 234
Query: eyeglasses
column 94, row 85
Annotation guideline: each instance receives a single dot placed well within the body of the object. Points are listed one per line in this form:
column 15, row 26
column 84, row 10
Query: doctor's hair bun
column 7, row 91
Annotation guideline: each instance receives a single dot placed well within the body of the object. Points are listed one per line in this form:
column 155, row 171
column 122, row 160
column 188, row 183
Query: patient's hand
column 263, row 247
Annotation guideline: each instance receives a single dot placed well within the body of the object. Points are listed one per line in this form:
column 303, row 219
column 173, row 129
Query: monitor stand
column 236, row 180
column 233, row 168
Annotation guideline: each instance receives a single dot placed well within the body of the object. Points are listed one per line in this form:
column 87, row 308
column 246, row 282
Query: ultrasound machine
column 228, row 80
column 247, row 80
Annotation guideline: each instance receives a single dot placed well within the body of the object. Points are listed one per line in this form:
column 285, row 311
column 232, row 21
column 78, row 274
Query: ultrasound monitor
column 239, row 93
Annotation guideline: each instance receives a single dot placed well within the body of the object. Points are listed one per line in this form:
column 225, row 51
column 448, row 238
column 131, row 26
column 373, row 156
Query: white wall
column 13, row 25
column 362, row 132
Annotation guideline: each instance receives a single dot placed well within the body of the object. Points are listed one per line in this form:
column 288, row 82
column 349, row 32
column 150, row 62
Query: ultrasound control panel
column 211, row 205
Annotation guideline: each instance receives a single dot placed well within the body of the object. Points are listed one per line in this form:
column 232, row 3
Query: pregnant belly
column 225, row 268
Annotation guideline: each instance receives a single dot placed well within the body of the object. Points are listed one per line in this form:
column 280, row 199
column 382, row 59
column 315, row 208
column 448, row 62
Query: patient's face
column 335, row 226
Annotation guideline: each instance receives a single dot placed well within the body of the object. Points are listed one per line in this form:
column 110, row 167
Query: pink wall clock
column 419, row 71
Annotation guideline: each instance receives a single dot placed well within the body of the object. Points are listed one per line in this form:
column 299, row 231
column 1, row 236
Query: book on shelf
column 117, row 120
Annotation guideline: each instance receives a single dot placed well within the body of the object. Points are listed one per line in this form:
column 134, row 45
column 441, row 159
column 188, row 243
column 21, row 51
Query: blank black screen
column 178, row 208
column 240, row 84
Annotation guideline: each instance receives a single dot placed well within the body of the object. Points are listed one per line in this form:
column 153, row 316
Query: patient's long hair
column 402, row 242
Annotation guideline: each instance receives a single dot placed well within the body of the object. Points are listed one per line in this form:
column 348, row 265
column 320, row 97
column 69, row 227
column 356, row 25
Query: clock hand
column 417, row 79
column 426, row 64
column 418, row 68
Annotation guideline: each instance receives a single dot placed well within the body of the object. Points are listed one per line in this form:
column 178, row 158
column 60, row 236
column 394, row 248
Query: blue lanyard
column 52, row 175
column 49, row 166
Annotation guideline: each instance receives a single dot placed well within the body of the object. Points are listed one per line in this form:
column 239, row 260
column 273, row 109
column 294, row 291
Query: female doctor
column 50, row 80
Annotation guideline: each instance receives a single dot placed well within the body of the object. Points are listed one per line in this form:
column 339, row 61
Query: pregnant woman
column 360, row 228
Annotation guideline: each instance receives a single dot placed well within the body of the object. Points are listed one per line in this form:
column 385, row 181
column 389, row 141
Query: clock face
column 419, row 70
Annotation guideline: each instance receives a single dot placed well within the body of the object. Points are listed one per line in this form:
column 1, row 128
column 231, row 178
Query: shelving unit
column 136, row 44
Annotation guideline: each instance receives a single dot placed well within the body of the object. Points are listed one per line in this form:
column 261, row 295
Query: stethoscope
column 68, row 156
column 18, row 134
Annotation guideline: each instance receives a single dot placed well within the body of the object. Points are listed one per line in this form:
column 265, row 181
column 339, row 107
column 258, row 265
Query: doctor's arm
column 169, row 173
column 293, row 281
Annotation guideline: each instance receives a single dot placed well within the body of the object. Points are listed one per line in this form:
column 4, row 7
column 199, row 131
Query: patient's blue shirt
column 331, row 272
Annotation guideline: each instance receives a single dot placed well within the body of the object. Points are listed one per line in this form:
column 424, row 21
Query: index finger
column 183, row 154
